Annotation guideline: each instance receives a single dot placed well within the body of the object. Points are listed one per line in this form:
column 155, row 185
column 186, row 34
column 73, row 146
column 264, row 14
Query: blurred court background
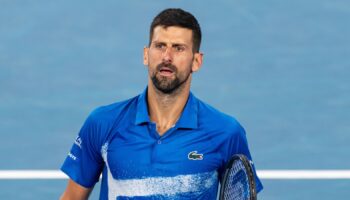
column 281, row 68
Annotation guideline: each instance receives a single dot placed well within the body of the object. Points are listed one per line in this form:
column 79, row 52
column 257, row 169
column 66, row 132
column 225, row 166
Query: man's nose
column 168, row 55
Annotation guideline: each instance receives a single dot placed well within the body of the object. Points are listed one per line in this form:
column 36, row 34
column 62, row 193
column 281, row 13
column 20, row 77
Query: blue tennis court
column 281, row 68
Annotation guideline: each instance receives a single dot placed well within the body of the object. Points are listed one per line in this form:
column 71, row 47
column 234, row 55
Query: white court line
column 32, row 174
column 304, row 174
column 263, row 174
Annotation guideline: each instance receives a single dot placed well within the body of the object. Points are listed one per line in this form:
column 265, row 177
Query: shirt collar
column 188, row 118
column 142, row 109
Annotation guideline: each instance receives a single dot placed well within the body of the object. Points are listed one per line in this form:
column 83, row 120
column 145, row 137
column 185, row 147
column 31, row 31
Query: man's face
column 170, row 58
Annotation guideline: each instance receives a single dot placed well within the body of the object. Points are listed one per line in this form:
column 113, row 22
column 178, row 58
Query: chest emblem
column 193, row 155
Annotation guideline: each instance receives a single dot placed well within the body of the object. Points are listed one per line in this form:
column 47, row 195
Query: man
column 164, row 143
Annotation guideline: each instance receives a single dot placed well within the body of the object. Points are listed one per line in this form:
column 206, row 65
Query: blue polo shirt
column 121, row 142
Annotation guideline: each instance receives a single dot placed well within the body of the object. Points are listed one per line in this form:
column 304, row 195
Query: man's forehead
column 175, row 33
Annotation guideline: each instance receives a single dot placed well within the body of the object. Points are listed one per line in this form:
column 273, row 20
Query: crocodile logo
column 193, row 155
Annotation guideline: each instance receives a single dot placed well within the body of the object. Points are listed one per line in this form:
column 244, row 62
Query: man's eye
column 159, row 46
column 179, row 48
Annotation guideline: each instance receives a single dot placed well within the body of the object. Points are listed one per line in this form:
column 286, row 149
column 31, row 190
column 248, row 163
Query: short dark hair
column 180, row 18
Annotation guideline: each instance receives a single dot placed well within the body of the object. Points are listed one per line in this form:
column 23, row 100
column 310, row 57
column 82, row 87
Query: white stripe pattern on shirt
column 165, row 186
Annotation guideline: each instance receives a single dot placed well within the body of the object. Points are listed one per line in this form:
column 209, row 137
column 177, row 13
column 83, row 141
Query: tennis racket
column 238, row 182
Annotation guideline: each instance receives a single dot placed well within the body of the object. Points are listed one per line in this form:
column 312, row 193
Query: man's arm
column 74, row 191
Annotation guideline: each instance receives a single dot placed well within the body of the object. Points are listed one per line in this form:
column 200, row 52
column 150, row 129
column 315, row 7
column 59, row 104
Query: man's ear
column 145, row 55
column 197, row 61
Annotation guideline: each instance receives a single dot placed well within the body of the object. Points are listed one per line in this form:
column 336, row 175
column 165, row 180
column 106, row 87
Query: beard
column 168, row 85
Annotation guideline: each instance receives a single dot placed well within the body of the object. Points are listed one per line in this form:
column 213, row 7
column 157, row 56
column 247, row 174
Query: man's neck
column 166, row 109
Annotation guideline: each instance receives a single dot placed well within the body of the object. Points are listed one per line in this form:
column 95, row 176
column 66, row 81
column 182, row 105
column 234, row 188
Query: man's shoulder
column 216, row 119
column 112, row 111
column 101, row 122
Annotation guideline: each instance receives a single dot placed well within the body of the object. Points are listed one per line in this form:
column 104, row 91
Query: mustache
column 168, row 65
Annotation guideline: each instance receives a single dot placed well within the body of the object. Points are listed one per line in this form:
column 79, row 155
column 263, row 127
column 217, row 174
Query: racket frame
column 249, row 169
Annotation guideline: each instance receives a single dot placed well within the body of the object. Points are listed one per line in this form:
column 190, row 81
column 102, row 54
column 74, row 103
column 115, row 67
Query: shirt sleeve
column 84, row 162
column 238, row 144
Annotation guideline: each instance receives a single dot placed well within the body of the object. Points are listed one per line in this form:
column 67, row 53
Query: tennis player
column 164, row 143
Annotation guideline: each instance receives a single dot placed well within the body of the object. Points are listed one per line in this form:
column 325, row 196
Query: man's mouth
column 166, row 70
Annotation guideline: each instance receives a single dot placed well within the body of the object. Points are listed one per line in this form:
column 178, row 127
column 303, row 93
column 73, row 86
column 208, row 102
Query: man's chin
column 166, row 89
column 166, row 85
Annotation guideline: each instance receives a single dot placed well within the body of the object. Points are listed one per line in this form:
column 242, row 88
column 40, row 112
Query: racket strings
column 237, row 187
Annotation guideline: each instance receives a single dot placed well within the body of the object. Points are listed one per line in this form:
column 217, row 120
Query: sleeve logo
column 193, row 155
column 78, row 142
column 72, row 156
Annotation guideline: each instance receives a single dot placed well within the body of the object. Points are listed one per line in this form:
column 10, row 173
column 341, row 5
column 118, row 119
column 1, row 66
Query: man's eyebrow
column 172, row 44
column 158, row 42
column 178, row 44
